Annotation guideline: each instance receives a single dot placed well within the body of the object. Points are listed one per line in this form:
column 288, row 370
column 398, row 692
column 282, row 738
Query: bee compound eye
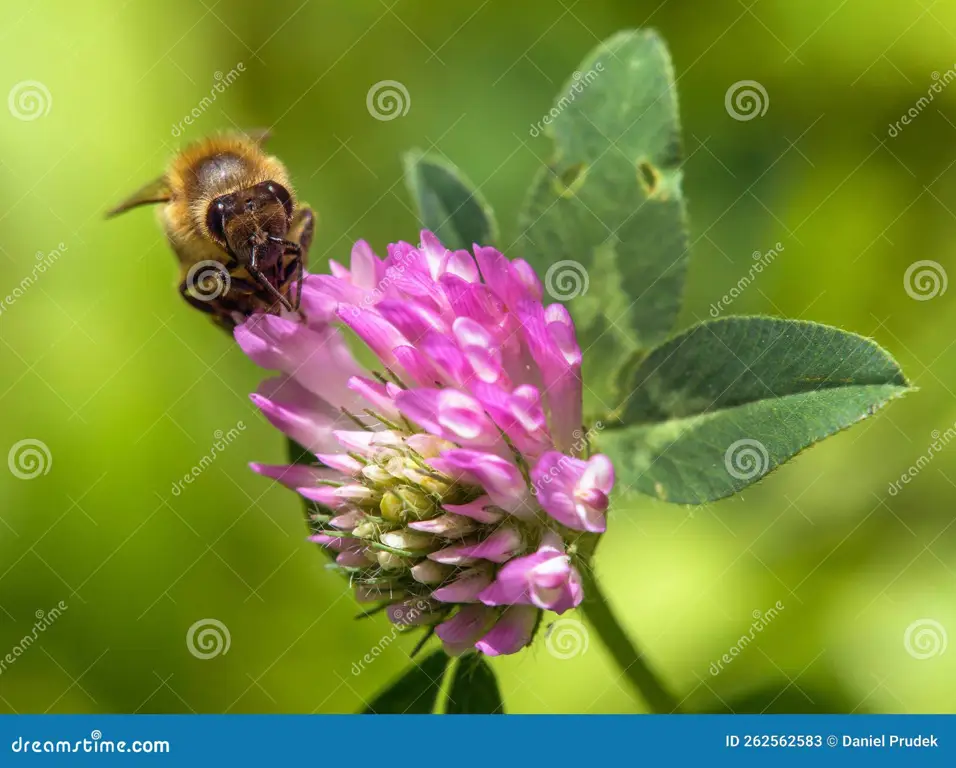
column 282, row 195
column 215, row 216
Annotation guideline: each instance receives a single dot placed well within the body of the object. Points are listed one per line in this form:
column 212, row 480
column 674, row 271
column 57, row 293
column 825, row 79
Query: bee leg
column 263, row 282
column 301, row 231
column 299, row 270
column 202, row 306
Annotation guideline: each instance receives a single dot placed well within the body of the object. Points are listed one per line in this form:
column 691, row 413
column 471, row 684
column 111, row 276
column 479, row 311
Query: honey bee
column 230, row 215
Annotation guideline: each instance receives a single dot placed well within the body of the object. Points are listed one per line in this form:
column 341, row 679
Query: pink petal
column 380, row 335
column 375, row 393
column 500, row 547
column 598, row 474
column 319, row 360
column 511, row 633
column 512, row 583
column 481, row 509
column 555, row 479
column 365, row 266
column 413, row 320
column 501, row 479
column 354, row 559
column 466, row 587
column 310, row 428
column 460, row 633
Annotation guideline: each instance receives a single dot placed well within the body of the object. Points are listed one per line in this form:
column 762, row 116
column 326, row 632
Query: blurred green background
column 127, row 387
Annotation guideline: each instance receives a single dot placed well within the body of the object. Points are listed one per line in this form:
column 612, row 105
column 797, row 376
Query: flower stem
column 631, row 661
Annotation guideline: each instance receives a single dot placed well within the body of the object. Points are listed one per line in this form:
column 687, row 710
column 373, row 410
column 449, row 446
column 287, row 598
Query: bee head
column 247, row 218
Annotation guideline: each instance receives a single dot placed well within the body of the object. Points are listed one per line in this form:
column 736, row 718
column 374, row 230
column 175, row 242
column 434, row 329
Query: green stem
column 631, row 661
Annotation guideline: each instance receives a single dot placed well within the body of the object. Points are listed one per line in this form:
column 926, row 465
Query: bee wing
column 156, row 191
column 259, row 135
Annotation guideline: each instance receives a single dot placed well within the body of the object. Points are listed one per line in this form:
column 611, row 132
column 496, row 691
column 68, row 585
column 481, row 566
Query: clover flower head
column 454, row 473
